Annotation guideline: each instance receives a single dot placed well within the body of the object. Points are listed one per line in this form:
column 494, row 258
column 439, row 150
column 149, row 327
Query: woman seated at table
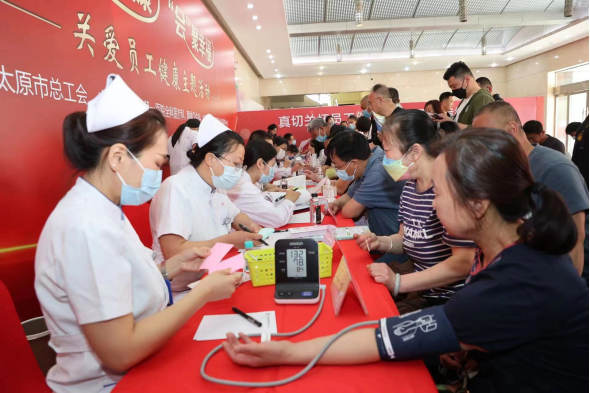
column 440, row 261
column 103, row 298
column 523, row 315
column 283, row 165
column 189, row 210
column 259, row 165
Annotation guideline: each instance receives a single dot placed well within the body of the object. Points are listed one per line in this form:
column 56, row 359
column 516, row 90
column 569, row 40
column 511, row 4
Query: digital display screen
column 296, row 263
column 306, row 293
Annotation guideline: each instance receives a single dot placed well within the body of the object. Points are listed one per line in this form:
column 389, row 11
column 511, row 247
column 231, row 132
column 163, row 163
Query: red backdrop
column 54, row 56
column 295, row 120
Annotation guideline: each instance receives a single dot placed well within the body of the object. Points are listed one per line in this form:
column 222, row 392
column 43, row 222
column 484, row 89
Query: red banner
column 295, row 120
column 55, row 56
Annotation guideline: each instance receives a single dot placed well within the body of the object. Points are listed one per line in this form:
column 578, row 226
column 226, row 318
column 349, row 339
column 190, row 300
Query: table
column 176, row 366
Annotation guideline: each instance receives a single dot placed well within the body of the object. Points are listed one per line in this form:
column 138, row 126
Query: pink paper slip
column 218, row 251
column 235, row 263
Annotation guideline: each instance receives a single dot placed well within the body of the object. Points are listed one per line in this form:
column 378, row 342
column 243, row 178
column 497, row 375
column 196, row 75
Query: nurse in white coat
column 191, row 208
column 183, row 140
column 103, row 298
column 259, row 165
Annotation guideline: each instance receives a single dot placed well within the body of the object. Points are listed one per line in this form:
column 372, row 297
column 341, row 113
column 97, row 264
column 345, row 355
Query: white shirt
column 462, row 106
column 91, row 267
column 185, row 205
column 258, row 205
column 178, row 157
column 281, row 171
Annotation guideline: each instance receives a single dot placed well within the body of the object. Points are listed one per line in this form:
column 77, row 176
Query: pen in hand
column 245, row 229
column 280, row 198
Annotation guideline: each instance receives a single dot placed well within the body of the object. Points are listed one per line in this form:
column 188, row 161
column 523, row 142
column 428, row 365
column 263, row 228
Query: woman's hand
column 189, row 260
column 292, row 195
column 252, row 354
column 367, row 238
column 382, row 275
column 219, row 285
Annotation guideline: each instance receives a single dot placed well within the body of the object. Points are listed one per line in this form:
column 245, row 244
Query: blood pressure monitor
column 297, row 271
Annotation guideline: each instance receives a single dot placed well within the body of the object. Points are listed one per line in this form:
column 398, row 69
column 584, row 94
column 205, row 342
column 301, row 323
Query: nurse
column 183, row 140
column 259, row 164
column 191, row 208
column 103, row 298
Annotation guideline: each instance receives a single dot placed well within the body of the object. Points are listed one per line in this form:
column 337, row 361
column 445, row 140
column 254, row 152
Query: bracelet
column 390, row 247
column 164, row 271
column 398, row 279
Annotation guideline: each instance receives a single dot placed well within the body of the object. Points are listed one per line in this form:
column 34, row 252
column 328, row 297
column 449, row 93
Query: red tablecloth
column 176, row 367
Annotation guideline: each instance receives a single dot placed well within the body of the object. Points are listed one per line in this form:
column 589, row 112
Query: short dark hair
column 457, row 70
column 532, row 127
column 258, row 149
column 410, row 127
column 193, row 123
column 336, row 128
column 329, row 117
column 272, row 127
column 445, row 95
column 288, row 136
column 482, row 81
column 349, row 145
column 363, row 124
column 279, row 140
column 84, row 149
column 353, row 117
column 490, row 164
column 449, row 127
column 317, row 145
column 394, row 94
column 500, row 109
column 572, row 128
column 260, row 134
column 292, row 149
column 222, row 144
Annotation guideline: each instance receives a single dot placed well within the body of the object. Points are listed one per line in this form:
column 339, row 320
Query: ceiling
column 297, row 38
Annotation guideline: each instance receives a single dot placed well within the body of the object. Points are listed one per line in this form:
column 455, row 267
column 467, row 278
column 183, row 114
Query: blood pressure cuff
column 416, row 335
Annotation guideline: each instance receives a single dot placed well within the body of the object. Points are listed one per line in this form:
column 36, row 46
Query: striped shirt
column 426, row 241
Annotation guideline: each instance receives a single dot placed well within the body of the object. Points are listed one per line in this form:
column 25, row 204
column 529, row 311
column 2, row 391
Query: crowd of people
column 478, row 224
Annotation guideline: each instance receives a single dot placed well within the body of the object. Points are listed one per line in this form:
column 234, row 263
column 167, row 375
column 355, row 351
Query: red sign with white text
column 295, row 120
column 56, row 55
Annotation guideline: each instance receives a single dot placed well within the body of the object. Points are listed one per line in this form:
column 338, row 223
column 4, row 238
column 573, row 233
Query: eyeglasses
column 347, row 164
column 239, row 166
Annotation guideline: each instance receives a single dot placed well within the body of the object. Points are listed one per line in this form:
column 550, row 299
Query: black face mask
column 460, row 93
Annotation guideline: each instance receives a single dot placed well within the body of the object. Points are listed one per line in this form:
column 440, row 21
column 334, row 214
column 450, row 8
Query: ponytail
column 178, row 133
column 549, row 226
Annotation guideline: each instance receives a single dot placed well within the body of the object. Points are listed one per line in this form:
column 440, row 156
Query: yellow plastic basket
column 261, row 264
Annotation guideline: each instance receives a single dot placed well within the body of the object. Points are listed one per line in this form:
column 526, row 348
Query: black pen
column 249, row 231
column 279, row 198
column 248, row 317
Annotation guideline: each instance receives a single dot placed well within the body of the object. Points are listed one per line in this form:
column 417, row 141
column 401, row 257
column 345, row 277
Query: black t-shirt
column 554, row 143
column 580, row 153
column 528, row 313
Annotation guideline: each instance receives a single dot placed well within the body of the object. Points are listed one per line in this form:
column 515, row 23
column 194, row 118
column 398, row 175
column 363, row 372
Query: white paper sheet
column 301, row 218
column 216, row 327
column 295, row 181
column 304, row 196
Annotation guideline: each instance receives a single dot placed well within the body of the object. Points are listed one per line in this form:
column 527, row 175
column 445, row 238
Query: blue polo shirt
column 379, row 194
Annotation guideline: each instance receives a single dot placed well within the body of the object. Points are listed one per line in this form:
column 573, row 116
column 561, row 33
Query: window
column 572, row 75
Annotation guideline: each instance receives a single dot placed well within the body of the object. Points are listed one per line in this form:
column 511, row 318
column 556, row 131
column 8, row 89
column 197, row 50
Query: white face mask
column 294, row 142
column 280, row 154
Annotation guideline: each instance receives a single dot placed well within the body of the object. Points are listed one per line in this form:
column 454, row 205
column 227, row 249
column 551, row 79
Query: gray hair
column 316, row 123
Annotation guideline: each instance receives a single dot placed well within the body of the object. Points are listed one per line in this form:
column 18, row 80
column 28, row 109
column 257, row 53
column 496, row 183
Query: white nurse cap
column 114, row 106
column 210, row 127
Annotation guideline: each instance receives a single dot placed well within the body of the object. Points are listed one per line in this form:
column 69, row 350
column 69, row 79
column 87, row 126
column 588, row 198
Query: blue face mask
column 366, row 113
column 352, row 126
column 150, row 183
column 267, row 178
column 229, row 178
column 342, row 175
